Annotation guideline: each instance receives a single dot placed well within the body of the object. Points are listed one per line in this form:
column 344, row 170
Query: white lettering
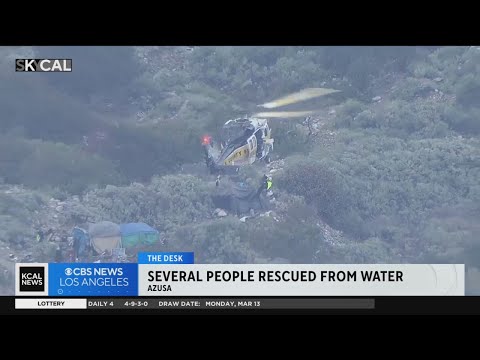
column 66, row 67
column 42, row 65
column 29, row 65
column 56, row 66
column 32, row 282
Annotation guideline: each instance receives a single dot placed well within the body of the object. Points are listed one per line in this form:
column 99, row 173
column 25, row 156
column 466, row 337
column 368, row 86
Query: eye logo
column 68, row 271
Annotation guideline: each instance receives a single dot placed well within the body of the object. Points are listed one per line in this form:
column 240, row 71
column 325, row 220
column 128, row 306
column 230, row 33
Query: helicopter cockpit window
column 234, row 132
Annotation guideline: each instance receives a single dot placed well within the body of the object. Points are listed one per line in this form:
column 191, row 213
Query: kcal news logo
column 32, row 278
column 43, row 65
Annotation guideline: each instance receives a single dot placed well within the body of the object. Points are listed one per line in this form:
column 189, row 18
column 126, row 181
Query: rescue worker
column 266, row 184
column 80, row 243
column 269, row 183
column 217, row 181
column 48, row 235
column 58, row 255
column 269, row 188
column 76, row 248
column 40, row 236
column 264, row 180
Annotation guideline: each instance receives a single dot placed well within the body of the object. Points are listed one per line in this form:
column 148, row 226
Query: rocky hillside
column 387, row 171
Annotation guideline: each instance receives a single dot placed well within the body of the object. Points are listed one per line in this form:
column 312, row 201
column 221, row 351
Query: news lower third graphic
column 43, row 65
column 89, row 279
column 301, row 280
column 174, row 274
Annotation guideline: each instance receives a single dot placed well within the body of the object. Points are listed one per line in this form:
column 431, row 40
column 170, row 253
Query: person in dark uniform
column 76, row 248
column 58, row 255
column 48, row 235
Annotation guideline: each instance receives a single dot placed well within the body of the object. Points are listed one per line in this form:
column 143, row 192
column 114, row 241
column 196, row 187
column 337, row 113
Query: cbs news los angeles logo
column 43, row 65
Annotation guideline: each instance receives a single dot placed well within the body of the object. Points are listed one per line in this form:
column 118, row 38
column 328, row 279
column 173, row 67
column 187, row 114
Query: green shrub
column 370, row 251
column 59, row 165
column 419, row 118
column 468, row 90
column 410, row 88
column 219, row 241
column 425, row 70
column 398, row 178
column 347, row 112
column 165, row 203
column 319, row 184
column 465, row 121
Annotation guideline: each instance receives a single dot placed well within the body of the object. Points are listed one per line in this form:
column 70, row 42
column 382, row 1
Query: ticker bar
column 248, row 303
column 382, row 305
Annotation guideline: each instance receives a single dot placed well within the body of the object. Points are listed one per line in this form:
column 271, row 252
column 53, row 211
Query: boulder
column 220, row 212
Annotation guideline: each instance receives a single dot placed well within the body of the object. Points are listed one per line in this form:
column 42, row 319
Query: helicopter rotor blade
column 302, row 95
column 285, row 114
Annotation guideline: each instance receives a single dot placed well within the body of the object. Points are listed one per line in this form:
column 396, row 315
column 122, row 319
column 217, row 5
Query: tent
column 138, row 234
column 105, row 236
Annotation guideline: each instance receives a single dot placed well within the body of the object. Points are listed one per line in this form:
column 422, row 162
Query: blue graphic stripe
column 86, row 279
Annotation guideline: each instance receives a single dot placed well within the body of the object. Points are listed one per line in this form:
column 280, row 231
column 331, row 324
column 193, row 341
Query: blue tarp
column 136, row 228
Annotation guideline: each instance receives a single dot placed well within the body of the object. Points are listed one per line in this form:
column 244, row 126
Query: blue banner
column 165, row 258
column 87, row 279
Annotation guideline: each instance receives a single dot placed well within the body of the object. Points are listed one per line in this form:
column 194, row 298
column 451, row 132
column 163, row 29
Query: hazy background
column 388, row 172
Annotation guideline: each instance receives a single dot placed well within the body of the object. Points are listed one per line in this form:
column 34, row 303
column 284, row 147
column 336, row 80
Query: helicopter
column 246, row 140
